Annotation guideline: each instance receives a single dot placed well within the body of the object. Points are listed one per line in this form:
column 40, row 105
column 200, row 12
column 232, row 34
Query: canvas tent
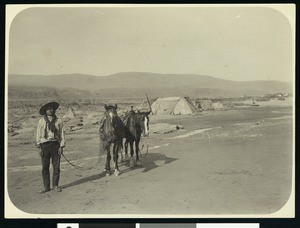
column 70, row 114
column 218, row 105
column 72, row 121
column 174, row 106
column 204, row 104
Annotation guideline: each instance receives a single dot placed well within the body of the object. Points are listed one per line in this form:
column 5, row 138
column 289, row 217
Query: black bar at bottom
column 107, row 225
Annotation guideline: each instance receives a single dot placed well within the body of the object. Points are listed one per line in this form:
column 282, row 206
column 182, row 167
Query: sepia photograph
column 150, row 111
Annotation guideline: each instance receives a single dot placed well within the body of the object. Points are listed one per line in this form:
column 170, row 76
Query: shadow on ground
column 98, row 176
column 152, row 161
column 84, row 180
column 156, row 160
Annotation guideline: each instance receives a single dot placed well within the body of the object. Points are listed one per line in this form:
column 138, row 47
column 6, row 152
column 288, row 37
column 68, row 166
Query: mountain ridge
column 134, row 83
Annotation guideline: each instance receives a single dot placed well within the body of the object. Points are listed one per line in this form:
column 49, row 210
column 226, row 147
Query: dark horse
column 111, row 132
column 136, row 124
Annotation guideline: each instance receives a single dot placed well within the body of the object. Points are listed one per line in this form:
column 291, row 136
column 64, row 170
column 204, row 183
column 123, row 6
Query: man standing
column 50, row 139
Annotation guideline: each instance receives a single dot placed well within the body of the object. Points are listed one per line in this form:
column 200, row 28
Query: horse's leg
column 131, row 148
column 131, row 154
column 121, row 150
column 108, row 158
column 126, row 149
column 117, row 147
column 102, row 149
column 137, row 150
column 114, row 155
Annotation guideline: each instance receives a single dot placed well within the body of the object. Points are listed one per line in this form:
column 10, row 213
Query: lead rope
column 79, row 167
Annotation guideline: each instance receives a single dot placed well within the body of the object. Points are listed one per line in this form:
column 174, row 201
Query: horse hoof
column 131, row 163
column 126, row 157
column 117, row 172
column 138, row 163
column 107, row 173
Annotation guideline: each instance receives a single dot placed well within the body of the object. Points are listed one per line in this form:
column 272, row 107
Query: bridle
column 111, row 116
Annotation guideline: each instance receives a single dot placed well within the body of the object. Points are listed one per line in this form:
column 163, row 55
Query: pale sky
column 233, row 43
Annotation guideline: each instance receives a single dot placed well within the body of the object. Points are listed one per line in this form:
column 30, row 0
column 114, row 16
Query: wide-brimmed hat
column 43, row 109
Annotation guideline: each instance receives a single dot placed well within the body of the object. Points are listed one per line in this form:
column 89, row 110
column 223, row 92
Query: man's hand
column 38, row 146
column 60, row 151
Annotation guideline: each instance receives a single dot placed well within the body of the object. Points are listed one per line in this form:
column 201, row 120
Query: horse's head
column 111, row 113
column 111, row 121
column 144, row 122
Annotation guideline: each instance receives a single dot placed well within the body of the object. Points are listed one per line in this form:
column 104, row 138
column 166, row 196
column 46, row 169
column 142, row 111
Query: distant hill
column 31, row 92
column 135, row 84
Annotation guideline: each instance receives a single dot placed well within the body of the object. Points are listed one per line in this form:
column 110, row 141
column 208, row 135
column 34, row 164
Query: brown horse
column 111, row 132
column 136, row 124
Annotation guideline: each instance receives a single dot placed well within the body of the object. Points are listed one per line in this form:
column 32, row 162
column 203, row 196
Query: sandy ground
column 224, row 162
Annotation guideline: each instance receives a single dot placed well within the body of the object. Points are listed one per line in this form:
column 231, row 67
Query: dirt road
column 241, row 163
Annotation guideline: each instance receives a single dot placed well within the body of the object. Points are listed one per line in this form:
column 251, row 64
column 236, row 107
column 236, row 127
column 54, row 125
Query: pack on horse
column 111, row 132
column 136, row 124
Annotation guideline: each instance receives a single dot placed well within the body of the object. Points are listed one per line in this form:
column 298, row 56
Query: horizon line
column 179, row 74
